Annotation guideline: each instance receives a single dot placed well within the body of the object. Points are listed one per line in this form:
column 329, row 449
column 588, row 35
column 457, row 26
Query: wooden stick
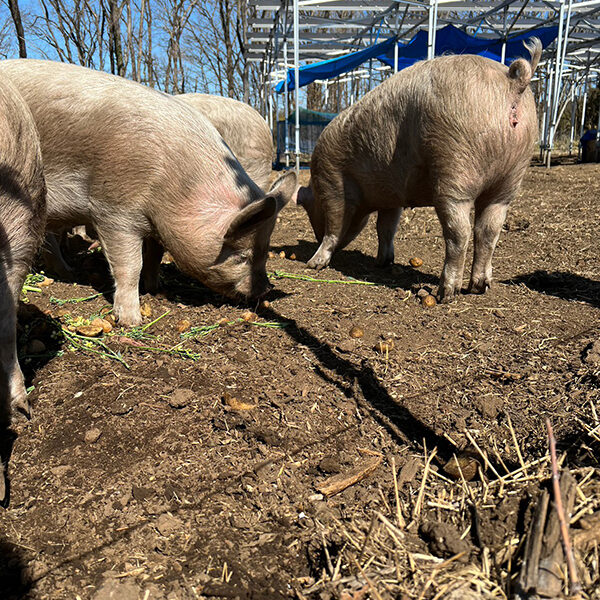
column 574, row 584
column 338, row 483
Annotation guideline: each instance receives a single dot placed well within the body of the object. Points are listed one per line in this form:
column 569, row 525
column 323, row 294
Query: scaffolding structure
column 323, row 29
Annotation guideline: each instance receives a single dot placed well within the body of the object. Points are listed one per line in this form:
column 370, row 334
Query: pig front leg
column 387, row 223
column 489, row 219
column 53, row 258
column 456, row 225
column 123, row 251
column 13, row 395
column 153, row 253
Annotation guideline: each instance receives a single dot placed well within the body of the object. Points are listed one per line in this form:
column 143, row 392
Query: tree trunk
column 115, row 33
column 16, row 17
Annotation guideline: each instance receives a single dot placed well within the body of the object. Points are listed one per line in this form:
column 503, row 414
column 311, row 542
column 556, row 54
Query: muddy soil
column 186, row 465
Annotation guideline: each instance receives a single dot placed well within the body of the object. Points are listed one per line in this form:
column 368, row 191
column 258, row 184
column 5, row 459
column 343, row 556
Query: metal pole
column 558, row 75
column 503, row 53
column 286, row 103
column 297, row 82
column 573, row 107
column 430, row 40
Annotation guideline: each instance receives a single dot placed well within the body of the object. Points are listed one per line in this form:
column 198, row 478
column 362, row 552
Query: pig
column 243, row 129
column 22, row 221
column 137, row 165
column 455, row 133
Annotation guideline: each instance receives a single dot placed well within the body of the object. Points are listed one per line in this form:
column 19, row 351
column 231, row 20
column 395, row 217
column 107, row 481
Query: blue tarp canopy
column 451, row 40
column 448, row 40
column 336, row 66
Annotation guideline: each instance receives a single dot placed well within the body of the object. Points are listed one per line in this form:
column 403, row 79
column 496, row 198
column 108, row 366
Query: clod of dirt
column 92, row 435
column 106, row 326
column 422, row 292
column 463, row 463
column 141, row 493
column 415, row 261
column 122, row 406
column 36, row 346
column 114, row 589
column 346, row 346
column 490, row 407
column 266, row 436
column 89, row 330
column 168, row 524
column 428, row 301
column 62, row 312
column 180, row 398
column 444, row 540
column 235, row 404
column 356, row 332
column 46, row 281
column 183, row 325
column 282, row 254
column 593, row 355
column 330, row 465
column 146, row 310
column 223, row 321
column 249, row 316
column 384, row 346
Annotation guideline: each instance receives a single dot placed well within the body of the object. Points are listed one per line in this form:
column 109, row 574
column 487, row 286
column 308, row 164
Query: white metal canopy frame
column 323, row 29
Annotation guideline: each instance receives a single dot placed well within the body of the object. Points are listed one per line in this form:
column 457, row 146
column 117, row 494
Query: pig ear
column 283, row 189
column 251, row 217
column 304, row 195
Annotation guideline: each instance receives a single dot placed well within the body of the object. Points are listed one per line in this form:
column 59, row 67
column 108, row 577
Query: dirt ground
column 161, row 464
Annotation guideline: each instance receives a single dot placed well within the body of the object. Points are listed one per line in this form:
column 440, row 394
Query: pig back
column 243, row 129
column 441, row 122
column 113, row 145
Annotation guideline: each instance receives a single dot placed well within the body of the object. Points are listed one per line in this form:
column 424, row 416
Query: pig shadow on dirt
column 357, row 265
column 14, row 580
column 561, row 284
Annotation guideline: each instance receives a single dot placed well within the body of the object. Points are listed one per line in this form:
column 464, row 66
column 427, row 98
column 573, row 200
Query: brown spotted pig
column 455, row 133
column 135, row 164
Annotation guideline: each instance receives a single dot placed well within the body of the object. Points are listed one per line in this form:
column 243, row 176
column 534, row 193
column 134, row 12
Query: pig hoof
column 128, row 319
column 447, row 295
column 22, row 406
column 317, row 262
column 384, row 263
column 479, row 286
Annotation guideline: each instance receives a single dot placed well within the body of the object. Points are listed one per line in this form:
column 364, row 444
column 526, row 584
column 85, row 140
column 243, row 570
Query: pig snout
column 255, row 286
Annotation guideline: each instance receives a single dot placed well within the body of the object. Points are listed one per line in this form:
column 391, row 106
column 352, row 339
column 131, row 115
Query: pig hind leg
column 123, row 251
column 342, row 223
column 489, row 218
column 455, row 219
column 387, row 223
column 153, row 253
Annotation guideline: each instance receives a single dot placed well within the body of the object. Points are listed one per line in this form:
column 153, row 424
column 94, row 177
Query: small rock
column 183, row 325
column 356, row 332
column 180, row 398
column 415, row 261
column 146, row 310
column 168, row 524
column 422, row 293
column 36, row 347
column 428, row 301
column 92, row 435
column 89, row 330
